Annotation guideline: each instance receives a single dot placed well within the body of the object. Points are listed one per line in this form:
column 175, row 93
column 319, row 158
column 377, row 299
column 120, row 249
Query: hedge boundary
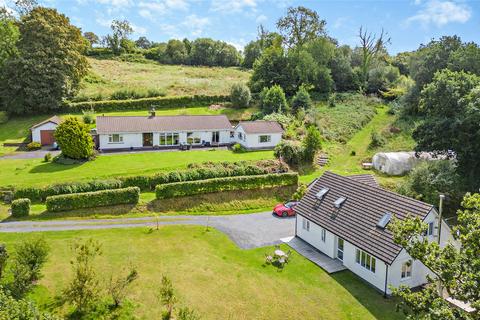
column 66, row 202
column 20, row 208
column 145, row 103
column 188, row 188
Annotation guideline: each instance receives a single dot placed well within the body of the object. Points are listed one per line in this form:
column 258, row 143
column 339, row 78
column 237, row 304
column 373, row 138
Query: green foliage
column 121, row 30
column 9, row 35
column 47, row 157
column 457, row 268
column 187, row 188
column 300, row 25
column 88, row 116
column 382, row 77
column 127, row 94
column 186, row 313
column 208, row 52
column 238, row 148
column 377, row 140
column 300, row 192
column 251, row 52
column 3, row 117
column 332, row 100
column 3, row 260
column 167, row 297
column 145, row 103
column 342, row 72
column 311, row 144
column 93, row 199
column 74, row 139
column 118, row 286
column 301, row 100
column 291, row 152
column 20, row 207
column 284, row 119
column 50, row 51
column 20, row 309
column 240, row 95
column 273, row 100
column 32, row 146
column 466, row 58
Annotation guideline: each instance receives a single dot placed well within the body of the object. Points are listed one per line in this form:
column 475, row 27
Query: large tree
column 49, row 65
column 121, row 30
column 9, row 36
column 300, row 25
column 92, row 38
column 457, row 269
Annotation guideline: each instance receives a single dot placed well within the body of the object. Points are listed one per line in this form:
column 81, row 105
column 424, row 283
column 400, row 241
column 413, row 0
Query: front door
column 148, row 139
column 215, row 137
column 340, row 246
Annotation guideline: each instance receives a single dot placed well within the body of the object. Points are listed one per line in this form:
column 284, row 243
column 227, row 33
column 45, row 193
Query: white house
column 347, row 219
column 143, row 132
column 43, row 132
column 258, row 134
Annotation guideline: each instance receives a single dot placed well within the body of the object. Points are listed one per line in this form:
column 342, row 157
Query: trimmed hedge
column 145, row 103
column 102, row 198
column 20, row 208
column 187, row 188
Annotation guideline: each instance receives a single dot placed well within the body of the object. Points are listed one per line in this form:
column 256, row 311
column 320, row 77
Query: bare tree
column 371, row 46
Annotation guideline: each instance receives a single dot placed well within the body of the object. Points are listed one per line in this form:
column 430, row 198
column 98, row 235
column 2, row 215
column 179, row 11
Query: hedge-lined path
column 246, row 230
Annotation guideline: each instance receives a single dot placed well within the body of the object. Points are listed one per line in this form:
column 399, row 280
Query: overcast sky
column 409, row 23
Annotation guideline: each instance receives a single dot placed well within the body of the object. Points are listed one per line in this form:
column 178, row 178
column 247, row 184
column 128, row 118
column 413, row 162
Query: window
column 232, row 134
column 115, row 138
column 169, row 139
column 239, row 136
column 365, row 260
column 324, row 234
column 340, row 248
column 191, row 139
column 306, row 224
column 406, row 269
column 430, row 229
column 264, row 139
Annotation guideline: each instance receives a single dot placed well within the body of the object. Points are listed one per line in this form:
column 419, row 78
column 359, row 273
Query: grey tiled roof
column 356, row 220
column 365, row 178
column 261, row 126
column 106, row 124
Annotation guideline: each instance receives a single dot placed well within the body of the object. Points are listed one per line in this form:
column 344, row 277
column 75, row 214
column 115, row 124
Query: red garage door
column 46, row 137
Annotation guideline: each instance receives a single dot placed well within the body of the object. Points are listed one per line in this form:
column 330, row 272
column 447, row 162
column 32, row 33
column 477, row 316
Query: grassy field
column 30, row 172
column 212, row 276
column 112, row 75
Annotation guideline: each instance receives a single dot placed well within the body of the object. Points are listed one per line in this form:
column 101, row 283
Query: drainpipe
column 386, row 281
column 440, row 213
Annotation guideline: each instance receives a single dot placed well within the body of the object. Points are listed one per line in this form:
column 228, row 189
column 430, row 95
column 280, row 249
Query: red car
column 285, row 210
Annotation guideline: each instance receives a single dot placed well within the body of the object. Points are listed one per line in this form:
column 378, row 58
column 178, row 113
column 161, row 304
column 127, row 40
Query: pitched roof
column 107, row 124
column 356, row 220
column 261, row 126
column 54, row 119
column 365, row 178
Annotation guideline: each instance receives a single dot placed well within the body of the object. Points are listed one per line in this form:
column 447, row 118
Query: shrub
column 240, row 95
column 74, row 139
column 332, row 100
column 353, row 153
column 378, row 140
column 300, row 192
column 187, row 188
column 88, row 116
column 102, row 198
column 47, row 157
column 34, row 146
column 3, row 117
column 311, row 143
column 291, row 152
column 273, row 100
column 20, row 207
column 238, row 148
column 301, row 100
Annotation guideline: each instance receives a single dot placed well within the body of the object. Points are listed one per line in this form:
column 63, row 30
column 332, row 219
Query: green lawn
column 174, row 80
column 213, row 276
column 29, row 172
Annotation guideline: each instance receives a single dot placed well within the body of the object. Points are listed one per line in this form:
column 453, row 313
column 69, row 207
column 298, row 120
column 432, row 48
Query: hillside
column 109, row 76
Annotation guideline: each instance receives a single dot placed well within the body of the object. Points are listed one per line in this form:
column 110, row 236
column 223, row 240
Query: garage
column 43, row 132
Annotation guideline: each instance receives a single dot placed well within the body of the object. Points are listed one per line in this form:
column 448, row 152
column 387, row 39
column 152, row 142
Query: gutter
column 386, row 281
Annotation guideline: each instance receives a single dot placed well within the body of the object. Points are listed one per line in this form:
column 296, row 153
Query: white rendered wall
column 36, row 131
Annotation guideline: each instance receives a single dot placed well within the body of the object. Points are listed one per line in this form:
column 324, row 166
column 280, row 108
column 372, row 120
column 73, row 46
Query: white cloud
column 261, row 18
column 104, row 22
column 233, row 6
column 138, row 29
column 151, row 9
column 441, row 13
column 196, row 24
column 116, row 3
column 339, row 22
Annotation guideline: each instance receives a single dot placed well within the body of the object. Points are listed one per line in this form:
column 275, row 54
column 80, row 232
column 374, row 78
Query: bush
column 301, row 100
column 311, row 143
column 20, row 207
column 88, row 116
column 102, row 198
column 187, row 188
column 34, row 146
column 145, row 103
column 273, row 100
column 240, row 95
column 378, row 140
column 47, row 157
column 291, row 152
column 3, row 117
column 332, row 100
column 238, row 148
column 74, row 139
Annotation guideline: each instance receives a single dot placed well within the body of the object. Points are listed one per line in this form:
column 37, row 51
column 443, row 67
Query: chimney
column 152, row 112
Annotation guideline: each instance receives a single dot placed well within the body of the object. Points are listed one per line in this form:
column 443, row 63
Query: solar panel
column 382, row 223
column 320, row 194
column 338, row 203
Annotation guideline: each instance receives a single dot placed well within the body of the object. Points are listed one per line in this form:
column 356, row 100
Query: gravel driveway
column 246, row 230
column 39, row 154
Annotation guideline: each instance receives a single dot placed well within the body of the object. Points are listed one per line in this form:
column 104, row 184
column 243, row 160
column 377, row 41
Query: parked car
column 285, row 209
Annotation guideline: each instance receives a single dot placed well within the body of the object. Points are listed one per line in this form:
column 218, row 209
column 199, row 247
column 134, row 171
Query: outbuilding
column 43, row 132
column 258, row 134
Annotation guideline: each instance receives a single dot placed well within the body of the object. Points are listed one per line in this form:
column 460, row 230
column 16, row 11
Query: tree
column 83, row 289
column 291, row 152
column 118, row 286
column 121, row 30
column 49, row 66
column 9, row 35
column 301, row 100
column 24, row 7
column 300, row 25
column 92, row 38
column 29, row 258
column 3, row 259
column 167, row 297
column 20, row 309
column 451, row 103
column 457, row 269
column 273, row 100
column 341, row 70
column 311, row 144
column 143, row 43
column 177, row 51
column 371, row 46
column 74, row 139
column 465, row 58
column 381, row 78
column 240, row 95
column 251, row 52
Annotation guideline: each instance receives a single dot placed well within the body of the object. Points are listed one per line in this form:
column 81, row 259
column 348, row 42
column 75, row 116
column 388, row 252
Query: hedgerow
column 187, row 188
column 102, row 198
column 20, row 208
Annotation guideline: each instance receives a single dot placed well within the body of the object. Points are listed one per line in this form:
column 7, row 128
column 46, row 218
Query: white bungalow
column 346, row 219
column 43, row 132
column 258, row 134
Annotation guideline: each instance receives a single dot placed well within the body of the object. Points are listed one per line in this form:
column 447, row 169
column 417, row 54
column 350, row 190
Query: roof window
column 321, row 194
column 382, row 223
column 339, row 202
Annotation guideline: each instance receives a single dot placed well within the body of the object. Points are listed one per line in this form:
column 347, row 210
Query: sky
column 408, row 23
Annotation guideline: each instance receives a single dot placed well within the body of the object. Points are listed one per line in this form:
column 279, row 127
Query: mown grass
column 112, row 75
column 211, row 275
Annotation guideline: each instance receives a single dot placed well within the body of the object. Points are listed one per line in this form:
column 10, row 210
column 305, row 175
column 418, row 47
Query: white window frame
column 406, row 270
column 324, row 235
column 305, row 224
column 268, row 138
column 430, row 229
column 171, row 136
column 117, row 135
column 365, row 260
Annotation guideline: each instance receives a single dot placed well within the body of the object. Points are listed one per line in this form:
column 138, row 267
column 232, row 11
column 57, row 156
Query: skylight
column 321, row 194
column 382, row 223
column 338, row 203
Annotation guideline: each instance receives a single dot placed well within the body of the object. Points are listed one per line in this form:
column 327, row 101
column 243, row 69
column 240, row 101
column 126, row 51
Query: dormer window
column 322, row 193
column 339, row 202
